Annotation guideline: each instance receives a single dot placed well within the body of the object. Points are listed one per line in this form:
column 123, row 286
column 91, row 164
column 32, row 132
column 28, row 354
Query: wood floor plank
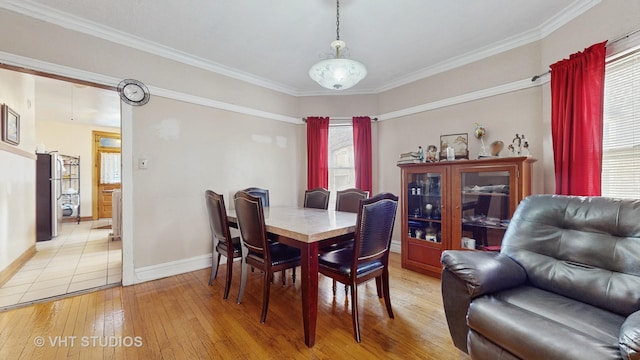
column 181, row 317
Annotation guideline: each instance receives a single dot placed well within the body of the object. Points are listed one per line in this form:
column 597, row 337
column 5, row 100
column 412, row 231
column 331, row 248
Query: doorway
column 106, row 172
column 83, row 257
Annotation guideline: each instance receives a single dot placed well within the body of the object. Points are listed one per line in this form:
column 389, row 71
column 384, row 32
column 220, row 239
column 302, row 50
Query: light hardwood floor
column 181, row 317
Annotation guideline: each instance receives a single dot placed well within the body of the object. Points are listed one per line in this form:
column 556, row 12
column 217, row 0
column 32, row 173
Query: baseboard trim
column 13, row 268
column 74, row 219
column 159, row 271
column 395, row 246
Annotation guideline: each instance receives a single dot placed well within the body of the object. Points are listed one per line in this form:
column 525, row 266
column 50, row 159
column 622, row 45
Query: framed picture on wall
column 10, row 125
column 459, row 143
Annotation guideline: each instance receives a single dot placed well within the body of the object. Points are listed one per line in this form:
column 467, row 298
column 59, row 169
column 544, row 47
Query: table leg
column 309, row 265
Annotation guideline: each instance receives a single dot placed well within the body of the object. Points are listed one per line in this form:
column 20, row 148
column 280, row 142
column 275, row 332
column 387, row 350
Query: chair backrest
column 374, row 227
column 349, row 200
column 317, row 198
column 263, row 194
column 250, row 215
column 585, row 248
column 218, row 218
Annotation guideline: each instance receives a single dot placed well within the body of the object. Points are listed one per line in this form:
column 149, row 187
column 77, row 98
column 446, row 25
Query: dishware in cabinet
column 484, row 197
column 424, row 217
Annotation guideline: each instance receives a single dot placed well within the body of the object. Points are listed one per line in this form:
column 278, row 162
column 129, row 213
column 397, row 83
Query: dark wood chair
column 221, row 238
column 317, row 198
column 263, row 194
column 349, row 200
column 259, row 252
column 369, row 257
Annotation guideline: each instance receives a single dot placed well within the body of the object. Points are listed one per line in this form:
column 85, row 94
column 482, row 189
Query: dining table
column 308, row 230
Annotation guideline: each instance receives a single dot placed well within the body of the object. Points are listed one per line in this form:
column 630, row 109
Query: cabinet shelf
column 71, row 187
column 426, row 220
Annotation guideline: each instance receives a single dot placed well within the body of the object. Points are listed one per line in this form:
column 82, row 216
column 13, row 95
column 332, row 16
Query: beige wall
column 17, row 171
column 194, row 148
column 73, row 139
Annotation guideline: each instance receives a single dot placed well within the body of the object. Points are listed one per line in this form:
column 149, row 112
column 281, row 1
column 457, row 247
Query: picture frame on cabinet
column 10, row 125
column 459, row 142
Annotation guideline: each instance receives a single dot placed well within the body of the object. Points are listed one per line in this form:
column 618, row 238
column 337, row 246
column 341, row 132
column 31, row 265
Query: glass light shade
column 338, row 74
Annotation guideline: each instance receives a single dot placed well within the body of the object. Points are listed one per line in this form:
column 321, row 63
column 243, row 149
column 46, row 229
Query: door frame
column 96, row 149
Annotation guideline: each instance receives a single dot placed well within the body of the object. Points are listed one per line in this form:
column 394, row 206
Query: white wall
column 75, row 139
column 17, row 174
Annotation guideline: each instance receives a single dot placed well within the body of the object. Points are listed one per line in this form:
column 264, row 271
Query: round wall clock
column 133, row 92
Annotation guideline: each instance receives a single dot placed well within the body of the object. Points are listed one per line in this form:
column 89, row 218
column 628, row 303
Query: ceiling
column 274, row 43
column 57, row 100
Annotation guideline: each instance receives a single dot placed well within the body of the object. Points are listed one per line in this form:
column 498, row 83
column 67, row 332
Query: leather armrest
column 483, row 272
column 629, row 339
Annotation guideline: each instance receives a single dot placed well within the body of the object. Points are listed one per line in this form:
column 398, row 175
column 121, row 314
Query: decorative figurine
column 511, row 150
column 432, row 152
column 420, row 154
column 480, row 132
column 525, row 149
column 496, row 147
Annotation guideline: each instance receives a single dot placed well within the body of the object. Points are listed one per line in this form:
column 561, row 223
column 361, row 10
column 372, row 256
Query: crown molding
column 455, row 100
column 46, row 67
column 56, row 17
column 577, row 8
column 72, row 22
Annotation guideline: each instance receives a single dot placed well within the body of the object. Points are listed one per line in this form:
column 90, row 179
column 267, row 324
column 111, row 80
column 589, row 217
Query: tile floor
column 81, row 257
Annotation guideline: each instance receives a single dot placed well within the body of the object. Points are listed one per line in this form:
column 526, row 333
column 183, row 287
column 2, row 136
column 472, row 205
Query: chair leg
column 243, row 279
column 385, row 289
column 334, row 287
column 284, row 278
column 227, row 283
column 214, row 270
column 293, row 276
column 265, row 297
column 354, row 311
column 379, row 286
column 346, row 290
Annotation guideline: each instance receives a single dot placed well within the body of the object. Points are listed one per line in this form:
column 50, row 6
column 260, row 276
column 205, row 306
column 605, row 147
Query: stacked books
column 409, row 158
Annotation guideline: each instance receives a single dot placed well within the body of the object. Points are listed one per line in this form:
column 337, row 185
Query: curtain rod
column 304, row 119
column 536, row 77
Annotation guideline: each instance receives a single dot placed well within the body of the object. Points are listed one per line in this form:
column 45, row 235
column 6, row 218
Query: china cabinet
column 461, row 204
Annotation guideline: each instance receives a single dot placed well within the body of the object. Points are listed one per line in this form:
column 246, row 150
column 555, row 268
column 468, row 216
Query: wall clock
column 133, row 92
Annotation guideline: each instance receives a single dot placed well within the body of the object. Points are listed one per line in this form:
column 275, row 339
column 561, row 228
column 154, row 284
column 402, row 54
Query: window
column 342, row 174
column 621, row 138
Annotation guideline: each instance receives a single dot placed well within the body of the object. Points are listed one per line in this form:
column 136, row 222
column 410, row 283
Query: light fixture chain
column 337, row 19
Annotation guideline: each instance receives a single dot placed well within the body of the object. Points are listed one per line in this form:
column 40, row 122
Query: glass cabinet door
column 484, row 209
column 424, row 207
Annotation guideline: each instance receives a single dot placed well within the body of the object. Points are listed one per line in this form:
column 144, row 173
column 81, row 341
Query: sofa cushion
column 585, row 248
column 536, row 324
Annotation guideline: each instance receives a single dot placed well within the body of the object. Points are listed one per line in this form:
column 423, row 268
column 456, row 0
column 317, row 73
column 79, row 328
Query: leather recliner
column 565, row 284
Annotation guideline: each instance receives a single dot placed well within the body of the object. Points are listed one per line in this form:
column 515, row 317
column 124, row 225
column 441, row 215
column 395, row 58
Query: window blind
column 621, row 138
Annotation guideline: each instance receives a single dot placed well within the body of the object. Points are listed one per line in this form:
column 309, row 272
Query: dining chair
column 221, row 238
column 317, row 198
column 263, row 194
column 259, row 252
column 349, row 201
column 369, row 257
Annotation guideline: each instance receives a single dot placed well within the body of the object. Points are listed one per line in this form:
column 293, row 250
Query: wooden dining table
column 308, row 230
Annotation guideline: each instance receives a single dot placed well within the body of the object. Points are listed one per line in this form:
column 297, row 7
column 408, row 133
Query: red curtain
column 317, row 152
column 362, row 152
column 577, row 102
